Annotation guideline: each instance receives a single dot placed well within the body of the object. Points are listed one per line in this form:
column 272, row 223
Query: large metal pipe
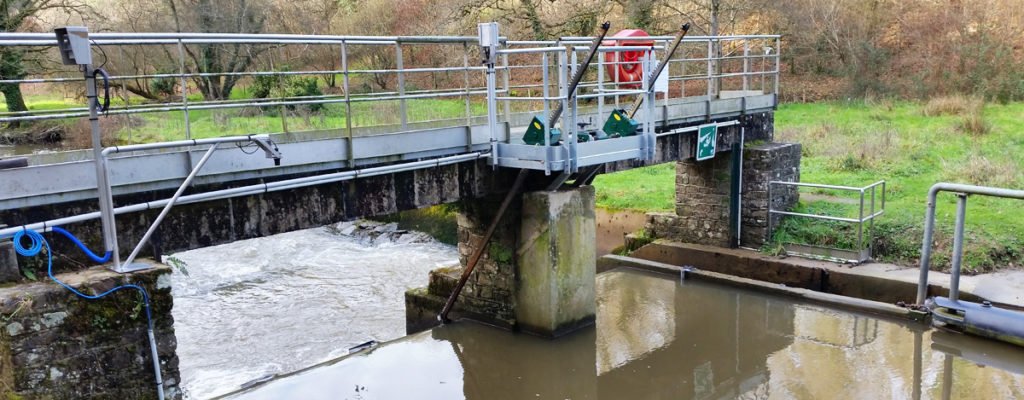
column 571, row 90
column 929, row 223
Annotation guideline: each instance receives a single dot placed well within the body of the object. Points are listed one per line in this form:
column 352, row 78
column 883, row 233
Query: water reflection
column 658, row 338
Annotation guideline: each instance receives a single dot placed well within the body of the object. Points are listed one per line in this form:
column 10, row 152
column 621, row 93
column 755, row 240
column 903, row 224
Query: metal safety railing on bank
column 868, row 197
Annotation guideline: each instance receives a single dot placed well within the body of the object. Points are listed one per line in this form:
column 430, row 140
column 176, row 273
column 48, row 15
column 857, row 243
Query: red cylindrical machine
column 628, row 72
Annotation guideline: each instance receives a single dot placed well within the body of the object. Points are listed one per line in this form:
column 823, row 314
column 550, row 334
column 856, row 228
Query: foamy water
column 276, row 304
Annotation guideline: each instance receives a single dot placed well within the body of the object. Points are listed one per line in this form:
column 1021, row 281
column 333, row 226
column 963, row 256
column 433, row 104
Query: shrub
column 262, row 85
column 302, row 87
column 974, row 122
column 952, row 105
column 163, row 86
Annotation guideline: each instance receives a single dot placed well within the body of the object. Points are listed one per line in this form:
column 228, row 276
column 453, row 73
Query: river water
column 276, row 304
column 659, row 338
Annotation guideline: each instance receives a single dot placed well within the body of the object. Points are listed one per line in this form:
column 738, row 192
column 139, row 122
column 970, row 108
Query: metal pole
column 102, row 184
column 711, row 69
column 184, row 88
column 547, row 127
column 465, row 76
column 124, row 96
column 958, row 247
column 871, row 224
column 860, row 223
column 746, row 65
column 508, row 88
column 483, row 244
column 403, row 112
column 778, row 67
column 600, row 86
column 170, row 204
column 492, row 112
column 348, row 105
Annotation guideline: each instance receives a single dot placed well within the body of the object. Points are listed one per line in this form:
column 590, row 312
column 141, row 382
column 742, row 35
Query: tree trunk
column 11, row 68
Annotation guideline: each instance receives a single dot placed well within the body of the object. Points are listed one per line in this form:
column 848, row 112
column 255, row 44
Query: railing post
column 184, row 88
column 600, row 86
column 860, row 223
column 563, row 90
column 348, row 104
column 958, row 246
column 401, row 86
column 465, row 76
column 746, row 65
column 546, row 93
column 711, row 69
column 778, row 67
column 124, row 95
column 573, row 117
column 508, row 88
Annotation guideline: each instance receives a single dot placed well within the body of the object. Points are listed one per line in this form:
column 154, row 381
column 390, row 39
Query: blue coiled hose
column 36, row 244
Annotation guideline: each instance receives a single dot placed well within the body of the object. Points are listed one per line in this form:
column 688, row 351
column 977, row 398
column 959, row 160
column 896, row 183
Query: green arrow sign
column 707, row 139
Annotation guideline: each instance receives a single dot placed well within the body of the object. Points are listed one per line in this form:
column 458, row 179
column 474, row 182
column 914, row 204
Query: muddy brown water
column 614, row 225
column 659, row 338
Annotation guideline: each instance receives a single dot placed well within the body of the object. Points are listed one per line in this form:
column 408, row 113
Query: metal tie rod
column 661, row 66
column 443, row 316
column 557, row 113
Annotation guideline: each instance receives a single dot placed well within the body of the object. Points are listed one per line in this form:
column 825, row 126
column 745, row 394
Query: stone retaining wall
column 55, row 345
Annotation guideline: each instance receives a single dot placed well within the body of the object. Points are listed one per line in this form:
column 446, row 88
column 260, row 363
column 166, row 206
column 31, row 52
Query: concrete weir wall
column 55, row 345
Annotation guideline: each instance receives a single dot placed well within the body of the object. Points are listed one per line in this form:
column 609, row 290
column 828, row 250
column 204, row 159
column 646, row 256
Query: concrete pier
column 556, row 261
column 536, row 275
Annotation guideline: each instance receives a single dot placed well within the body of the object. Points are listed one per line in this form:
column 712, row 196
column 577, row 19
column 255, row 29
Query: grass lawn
column 855, row 144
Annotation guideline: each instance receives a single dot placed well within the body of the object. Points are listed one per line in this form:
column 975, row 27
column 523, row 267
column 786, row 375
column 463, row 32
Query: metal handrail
column 962, row 191
column 861, row 219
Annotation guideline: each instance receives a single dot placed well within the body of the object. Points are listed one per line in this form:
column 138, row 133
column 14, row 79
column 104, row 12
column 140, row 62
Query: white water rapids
column 276, row 304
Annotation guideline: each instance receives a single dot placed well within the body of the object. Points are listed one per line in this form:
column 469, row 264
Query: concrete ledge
column 609, row 262
column 884, row 283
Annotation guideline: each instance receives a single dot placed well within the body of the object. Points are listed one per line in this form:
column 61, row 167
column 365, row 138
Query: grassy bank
column 911, row 146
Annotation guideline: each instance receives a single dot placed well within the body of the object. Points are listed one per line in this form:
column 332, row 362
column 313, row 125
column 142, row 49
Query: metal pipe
column 181, row 143
column 170, row 204
column 929, row 222
column 156, row 360
column 479, row 251
column 958, row 247
column 571, row 89
column 250, row 190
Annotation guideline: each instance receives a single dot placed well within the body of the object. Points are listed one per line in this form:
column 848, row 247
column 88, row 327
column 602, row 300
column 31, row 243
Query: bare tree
column 219, row 63
column 17, row 15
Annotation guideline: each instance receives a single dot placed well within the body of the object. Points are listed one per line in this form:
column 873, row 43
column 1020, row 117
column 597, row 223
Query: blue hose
column 36, row 244
column 93, row 256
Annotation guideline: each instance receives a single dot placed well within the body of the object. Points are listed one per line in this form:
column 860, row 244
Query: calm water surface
column 659, row 338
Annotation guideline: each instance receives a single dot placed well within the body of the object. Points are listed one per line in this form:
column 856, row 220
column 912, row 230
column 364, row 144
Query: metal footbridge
column 394, row 104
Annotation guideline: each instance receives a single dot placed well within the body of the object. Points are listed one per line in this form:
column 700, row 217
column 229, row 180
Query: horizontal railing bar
column 816, row 216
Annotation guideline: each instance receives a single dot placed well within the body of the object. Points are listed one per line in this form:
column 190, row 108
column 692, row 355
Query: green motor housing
column 619, row 125
column 535, row 133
